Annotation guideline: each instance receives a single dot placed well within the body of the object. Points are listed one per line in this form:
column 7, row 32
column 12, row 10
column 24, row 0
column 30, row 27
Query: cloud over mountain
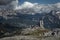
column 28, row 7
column 38, row 8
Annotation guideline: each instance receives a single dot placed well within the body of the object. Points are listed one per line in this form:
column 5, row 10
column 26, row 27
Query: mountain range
column 21, row 19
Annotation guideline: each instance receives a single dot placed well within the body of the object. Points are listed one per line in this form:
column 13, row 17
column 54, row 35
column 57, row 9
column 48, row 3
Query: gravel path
column 29, row 38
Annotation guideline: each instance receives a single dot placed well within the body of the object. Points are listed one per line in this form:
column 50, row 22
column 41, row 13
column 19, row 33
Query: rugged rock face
column 51, row 21
column 19, row 20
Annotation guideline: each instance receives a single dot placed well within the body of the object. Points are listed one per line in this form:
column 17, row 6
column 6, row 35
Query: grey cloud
column 9, row 4
column 5, row 2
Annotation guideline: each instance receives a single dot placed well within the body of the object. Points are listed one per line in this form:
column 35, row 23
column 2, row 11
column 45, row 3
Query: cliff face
column 51, row 20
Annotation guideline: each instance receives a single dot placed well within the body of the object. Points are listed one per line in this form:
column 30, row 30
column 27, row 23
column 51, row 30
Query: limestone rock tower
column 41, row 24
